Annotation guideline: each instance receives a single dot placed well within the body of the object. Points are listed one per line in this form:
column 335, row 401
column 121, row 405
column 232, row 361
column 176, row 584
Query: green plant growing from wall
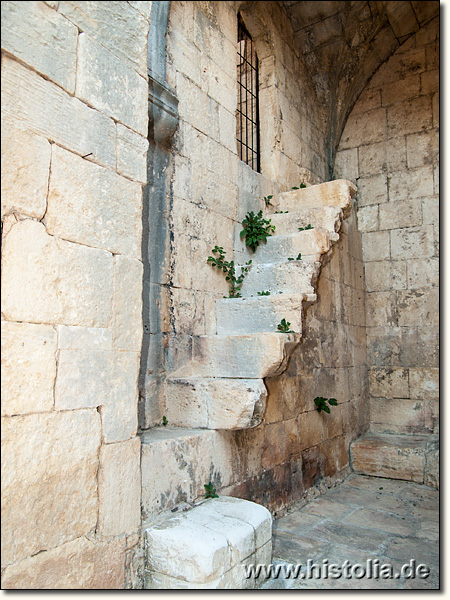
column 321, row 404
column 267, row 200
column 299, row 257
column 256, row 229
column 164, row 421
column 302, row 185
column 210, row 491
column 263, row 293
column 309, row 226
column 283, row 326
column 229, row 268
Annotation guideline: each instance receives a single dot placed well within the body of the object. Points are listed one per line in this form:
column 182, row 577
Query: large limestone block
column 236, row 316
column 46, row 109
column 178, row 547
column 215, row 403
column 389, row 383
column 332, row 193
column 47, row 280
column 282, row 276
column 117, row 26
column 119, row 488
column 326, row 217
column 42, row 38
column 309, row 242
column 77, row 565
column 127, row 304
column 25, row 170
column 131, row 154
column 192, row 458
column 252, row 356
column 111, row 86
column 28, row 367
column 88, row 377
column 94, row 206
column 392, row 456
column 49, row 478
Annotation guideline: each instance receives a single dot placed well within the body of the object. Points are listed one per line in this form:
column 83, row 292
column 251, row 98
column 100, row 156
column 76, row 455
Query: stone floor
column 388, row 521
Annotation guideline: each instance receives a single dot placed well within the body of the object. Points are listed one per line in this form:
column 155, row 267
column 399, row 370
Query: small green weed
column 210, row 491
column 267, row 200
column 263, row 293
column 302, row 185
column 164, row 421
column 283, row 326
column 321, row 404
column 306, row 228
column 281, row 212
column 299, row 257
column 256, row 229
column 229, row 268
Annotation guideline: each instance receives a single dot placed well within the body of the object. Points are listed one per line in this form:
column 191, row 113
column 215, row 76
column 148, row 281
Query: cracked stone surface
column 389, row 521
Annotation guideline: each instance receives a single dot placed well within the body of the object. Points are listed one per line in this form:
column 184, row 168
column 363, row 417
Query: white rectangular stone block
column 332, row 193
column 47, row 280
column 84, row 338
column 49, row 480
column 263, row 314
column 324, row 217
column 42, row 38
column 121, row 27
column 94, row 206
column 25, row 170
column 283, row 276
column 282, row 247
column 127, row 304
column 215, row 403
column 46, row 109
column 28, row 367
column 119, row 488
column 249, row 356
column 111, row 86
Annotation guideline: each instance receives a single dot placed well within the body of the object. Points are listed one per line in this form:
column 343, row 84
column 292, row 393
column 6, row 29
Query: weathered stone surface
column 375, row 245
column 423, row 273
column 111, row 86
column 119, row 488
column 41, row 38
column 178, row 546
column 121, row 28
column 46, row 280
column 418, row 306
column 411, row 183
column 391, row 456
column 174, row 480
column 424, row 383
column 25, row 170
column 331, row 193
column 92, row 378
column 383, row 276
column 278, row 248
column 49, row 464
column 28, row 367
column 372, row 190
column 311, row 429
column 127, row 304
column 80, row 564
column 395, row 415
column 93, row 206
column 389, row 383
column 84, row 338
column 46, row 109
column 131, row 154
column 409, row 117
column 323, row 217
column 285, row 276
column 237, row 316
column 364, row 128
column 249, row 356
column 368, row 218
column 215, row 403
column 395, row 215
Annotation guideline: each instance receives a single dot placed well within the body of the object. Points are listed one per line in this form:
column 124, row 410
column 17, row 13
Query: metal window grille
column 247, row 116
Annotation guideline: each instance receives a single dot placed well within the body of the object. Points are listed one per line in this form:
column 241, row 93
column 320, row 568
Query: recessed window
column 247, row 116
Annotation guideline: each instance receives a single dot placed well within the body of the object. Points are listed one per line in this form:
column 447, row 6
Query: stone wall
column 389, row 148
column 74, row 129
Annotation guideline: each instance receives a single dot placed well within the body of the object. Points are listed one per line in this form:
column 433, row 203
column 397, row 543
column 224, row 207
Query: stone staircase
column 221, row 387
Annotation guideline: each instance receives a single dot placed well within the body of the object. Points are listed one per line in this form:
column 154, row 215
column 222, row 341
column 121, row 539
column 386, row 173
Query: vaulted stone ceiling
column 343, row 43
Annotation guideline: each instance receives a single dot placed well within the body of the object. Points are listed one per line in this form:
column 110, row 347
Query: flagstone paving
column 366, row 521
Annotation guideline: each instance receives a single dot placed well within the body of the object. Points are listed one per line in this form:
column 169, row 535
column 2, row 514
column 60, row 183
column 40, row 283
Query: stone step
column 282, row 247
column 177, row 462
column 332, row 193
column 325, row 217
column 237, row 316
column 252, row 356
column 394, row 456
column 208, row 546
column 215, row 403
column 282, row 276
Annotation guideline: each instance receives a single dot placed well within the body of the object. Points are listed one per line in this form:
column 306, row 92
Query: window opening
column 247, row 117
